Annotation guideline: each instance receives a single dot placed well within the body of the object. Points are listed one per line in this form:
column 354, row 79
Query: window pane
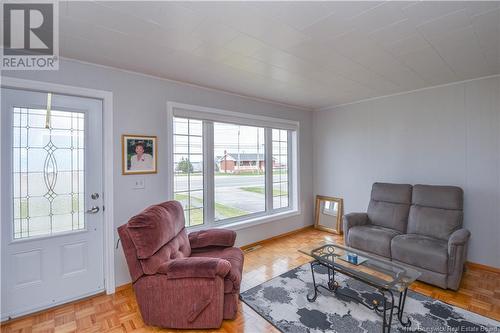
column 239, row 170
column 195, row 127
column 180, row 144
column 183, row 198
column 195, row 145
column 188, row 166
column 280, row 169
column 180, row 126
column 196, row 216
column 47, row 172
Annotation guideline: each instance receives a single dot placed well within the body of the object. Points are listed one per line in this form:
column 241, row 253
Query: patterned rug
column 282, row 301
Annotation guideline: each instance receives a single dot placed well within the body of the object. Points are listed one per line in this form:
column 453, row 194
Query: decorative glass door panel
column 48, row 172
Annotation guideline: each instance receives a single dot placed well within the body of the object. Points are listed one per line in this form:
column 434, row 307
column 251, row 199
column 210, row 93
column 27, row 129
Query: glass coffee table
column 391, row 280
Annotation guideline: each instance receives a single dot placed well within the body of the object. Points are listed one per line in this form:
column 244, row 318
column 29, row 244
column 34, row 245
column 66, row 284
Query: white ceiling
column 307, row 54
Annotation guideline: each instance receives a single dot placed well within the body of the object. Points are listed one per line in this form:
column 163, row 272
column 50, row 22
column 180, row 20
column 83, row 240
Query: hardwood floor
column 479, row 292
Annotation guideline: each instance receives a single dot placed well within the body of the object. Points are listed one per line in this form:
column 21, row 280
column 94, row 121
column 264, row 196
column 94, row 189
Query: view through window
column 247, row 173
column 239, row 154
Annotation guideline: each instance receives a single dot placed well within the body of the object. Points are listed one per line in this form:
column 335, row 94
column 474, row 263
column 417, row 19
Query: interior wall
column 447, row 135
column 139, row 104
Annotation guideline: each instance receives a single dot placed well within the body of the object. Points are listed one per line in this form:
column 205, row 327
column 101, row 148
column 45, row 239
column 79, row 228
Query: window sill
column 245, row 224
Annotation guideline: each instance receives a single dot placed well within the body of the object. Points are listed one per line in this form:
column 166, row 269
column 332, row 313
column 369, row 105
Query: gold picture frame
column 147, row 162
column 329, row 213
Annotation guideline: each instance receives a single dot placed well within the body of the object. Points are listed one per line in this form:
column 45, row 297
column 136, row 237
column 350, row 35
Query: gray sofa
column 418, row 225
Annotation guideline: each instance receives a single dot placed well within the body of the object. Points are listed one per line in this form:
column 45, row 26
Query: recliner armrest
column 212, row 237
column 459, row 237
column 353, row 219
column 195, row 267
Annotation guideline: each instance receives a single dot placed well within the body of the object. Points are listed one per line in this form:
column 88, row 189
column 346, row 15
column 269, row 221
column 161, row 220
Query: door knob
column 93, row 210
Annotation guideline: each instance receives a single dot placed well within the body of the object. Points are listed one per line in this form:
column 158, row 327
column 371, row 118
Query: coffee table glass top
column 370, row 268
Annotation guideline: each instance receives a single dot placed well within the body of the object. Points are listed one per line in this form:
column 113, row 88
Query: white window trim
column 175, row 109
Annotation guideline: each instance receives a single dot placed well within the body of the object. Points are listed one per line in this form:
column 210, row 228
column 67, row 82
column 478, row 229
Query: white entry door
column 52, row 221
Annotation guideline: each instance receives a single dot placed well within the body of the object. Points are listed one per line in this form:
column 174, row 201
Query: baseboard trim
column 267, row 240
column 123, row 287
column 482, row 267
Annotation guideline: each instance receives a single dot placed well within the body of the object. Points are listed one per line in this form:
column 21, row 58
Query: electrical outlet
column 139, row 184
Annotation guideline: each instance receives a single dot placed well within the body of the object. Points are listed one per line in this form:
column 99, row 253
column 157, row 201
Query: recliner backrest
column 436, row 211
column 389, row 205
column 153, row 237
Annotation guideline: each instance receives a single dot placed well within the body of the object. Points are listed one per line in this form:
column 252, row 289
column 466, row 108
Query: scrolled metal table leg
column 315, row 295
column 401, row 306
column 387, row 317
column 332, row 284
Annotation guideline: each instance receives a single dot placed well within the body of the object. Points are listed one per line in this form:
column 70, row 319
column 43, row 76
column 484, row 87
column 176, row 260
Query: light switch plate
column 138, row 184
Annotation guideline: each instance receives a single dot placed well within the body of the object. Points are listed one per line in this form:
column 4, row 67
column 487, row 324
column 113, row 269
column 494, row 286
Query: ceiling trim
column 335, row 106
column 258, row 99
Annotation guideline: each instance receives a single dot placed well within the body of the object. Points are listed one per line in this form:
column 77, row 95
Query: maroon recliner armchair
column 181, row 280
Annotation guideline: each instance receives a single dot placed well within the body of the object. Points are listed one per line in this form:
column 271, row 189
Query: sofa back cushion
column 436, row 211
column 389, row 205
column 159, row 235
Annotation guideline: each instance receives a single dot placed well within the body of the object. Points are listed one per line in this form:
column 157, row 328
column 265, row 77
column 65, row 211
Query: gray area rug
column 282, row 301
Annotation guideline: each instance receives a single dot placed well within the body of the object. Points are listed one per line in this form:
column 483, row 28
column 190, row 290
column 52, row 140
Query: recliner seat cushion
column 177, row 248
column 436, row 211
column 421, row 251
column 445, row 197
column 372, row 238
column 434, row 222
column 388, row 192
column 389, row 205
column 234, row 255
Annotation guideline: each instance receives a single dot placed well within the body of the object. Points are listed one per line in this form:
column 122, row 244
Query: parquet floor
column 480, row 292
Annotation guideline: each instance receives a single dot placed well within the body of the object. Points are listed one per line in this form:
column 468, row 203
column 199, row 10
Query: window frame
column 209, row 116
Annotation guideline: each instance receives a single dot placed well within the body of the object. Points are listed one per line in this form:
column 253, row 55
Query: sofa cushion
column 235, row 257
column 395, row 193
column 372, row 238
column 434, row 222
column 421, row 251
column 389, row 205
column 155, row 226
column 445, row 197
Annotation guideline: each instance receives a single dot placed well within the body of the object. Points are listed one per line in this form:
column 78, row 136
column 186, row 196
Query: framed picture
column 139, row 154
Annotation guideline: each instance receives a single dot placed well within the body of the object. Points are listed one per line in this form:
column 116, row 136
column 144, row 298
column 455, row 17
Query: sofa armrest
column 353, row 219
column 459, row 237
column 195, row 267
column 457, row 254
column 212, row 237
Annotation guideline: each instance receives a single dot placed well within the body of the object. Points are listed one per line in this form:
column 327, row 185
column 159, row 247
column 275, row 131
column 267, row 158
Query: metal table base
column 386, row 308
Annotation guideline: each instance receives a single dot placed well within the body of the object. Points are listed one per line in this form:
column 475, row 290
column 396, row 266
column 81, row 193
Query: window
column 188, row 168
column 239, row 180
column 48, row 172
column 229, row 168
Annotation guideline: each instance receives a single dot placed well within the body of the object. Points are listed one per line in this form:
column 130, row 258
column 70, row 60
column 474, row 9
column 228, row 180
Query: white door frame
column 108, row 153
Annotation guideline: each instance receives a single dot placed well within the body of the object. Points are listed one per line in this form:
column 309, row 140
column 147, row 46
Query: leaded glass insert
column 48, row 172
